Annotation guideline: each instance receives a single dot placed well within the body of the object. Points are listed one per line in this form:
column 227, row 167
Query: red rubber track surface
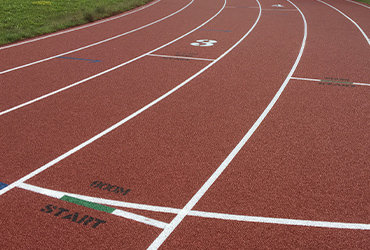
column 308, row 160
column 73, row 40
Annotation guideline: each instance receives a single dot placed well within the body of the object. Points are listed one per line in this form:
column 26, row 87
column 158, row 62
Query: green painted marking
column 334, row 81
column 88, row 204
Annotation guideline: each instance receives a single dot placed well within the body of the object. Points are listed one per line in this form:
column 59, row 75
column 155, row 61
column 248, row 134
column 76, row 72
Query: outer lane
column 32, row 82
column 50, row 126
column 308, row 160
column 41, row 49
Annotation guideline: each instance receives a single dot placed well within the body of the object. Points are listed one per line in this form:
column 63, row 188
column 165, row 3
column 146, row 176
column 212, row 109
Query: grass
column 364, row 1
column 21, row 19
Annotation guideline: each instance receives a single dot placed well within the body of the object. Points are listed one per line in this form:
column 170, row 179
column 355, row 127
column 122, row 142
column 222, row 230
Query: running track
column 122, row 134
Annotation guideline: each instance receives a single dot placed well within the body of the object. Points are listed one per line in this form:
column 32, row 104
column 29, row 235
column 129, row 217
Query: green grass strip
column 88, row 204
column 21, row 19
column 364, row 1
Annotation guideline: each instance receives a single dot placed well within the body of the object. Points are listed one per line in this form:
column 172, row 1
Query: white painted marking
column 363, row 84
column 117, row 212
column 358, row 4
column 256, row 7
column 277, row 5
column 80, row 27
column 183, row 57
column 204, row 43
column 194, row 200
column 97, row 43
column 281, row 221
column 319, row 80
column 279, row 10
column 358, row 27
column 305, row 79
column 140, row 218
column 104, row 72
column 124, row 204
column 212, row 215
column 123, row 121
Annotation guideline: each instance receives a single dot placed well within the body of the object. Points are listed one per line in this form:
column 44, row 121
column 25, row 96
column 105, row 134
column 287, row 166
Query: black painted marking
column 73, row 217
column 109, row 187
column 80, row 59
column 341, row 82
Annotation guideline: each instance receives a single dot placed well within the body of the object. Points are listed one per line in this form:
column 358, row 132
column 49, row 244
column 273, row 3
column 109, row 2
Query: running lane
column 30, row 52
column 358, row 13
column 308, row 160
column 59, row 123
column 166, row 153
column 37, row 80
column 180, row 67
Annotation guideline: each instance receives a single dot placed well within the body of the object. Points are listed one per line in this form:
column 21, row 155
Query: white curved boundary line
column 106, row 71
column 194, row 200
column 358, row 26
column 97, row 43
column 358, row 4
column 123, row 121
column 203, row 214
column 80, row 27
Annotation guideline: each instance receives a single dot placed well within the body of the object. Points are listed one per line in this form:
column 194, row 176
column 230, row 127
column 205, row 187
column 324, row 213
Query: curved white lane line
column 359, row 4
column 104, row 72
column 123, row 121
column 80, row 27
column 358, row 27
column 97, row 43
column 203, row 214
column 194, row 200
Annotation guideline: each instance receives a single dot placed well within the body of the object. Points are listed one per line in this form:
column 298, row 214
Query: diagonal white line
column 80, row 27
column 203, row 214
column 194, row 200
column 117, row 212
column 182, row 57
column 97, row 43
column 140, row 218
column 189, row 206
column 358, row 27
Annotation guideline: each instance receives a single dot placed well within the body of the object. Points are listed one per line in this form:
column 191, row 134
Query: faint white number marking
column 204, row 43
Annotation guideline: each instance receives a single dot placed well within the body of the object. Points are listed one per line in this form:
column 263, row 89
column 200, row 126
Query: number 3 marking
column 204, row 43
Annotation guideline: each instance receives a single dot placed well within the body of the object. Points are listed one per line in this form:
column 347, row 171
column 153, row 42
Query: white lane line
column 97, row 43
column 274, row 9
column 182, row 57
column 321, row 80
column 203, row 214
column 281, row 221
column 252, row 7
column 140, row 218
column 117, row 212
column 106, row 71
column 194, row 200
column 358, row 4
column 123, row 121
column 80, row 27
column 358, row 27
